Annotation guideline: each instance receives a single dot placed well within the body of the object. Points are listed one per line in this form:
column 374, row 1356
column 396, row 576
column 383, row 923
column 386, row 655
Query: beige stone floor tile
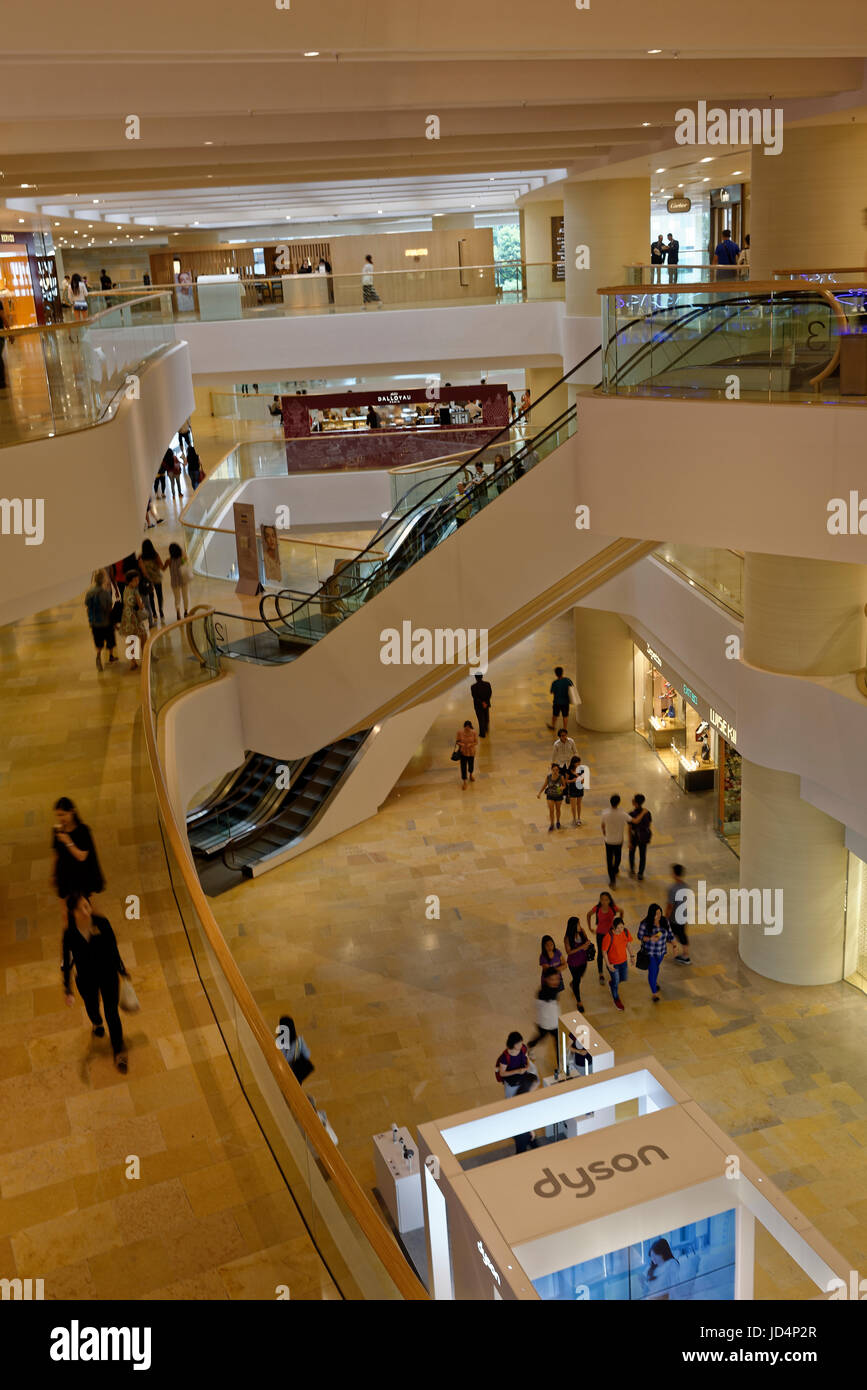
column 215, row 1188
column 133, row 1271
column 49, row 1244
column 72, row 1282
column 258, row 1276
column 144, row 1212
column 205, row 1287
column 23, row 1170
column 204, row 1244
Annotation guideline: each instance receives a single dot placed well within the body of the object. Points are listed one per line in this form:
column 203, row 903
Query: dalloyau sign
column 598, row 1171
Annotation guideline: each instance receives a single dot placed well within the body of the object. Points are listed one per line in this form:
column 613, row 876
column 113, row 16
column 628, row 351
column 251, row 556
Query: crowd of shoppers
column 127, row 597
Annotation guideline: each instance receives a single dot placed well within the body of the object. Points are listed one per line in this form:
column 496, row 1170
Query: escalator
column 251, row 819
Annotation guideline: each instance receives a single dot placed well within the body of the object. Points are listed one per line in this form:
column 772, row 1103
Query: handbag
column 301, row 1068
column 574, row 697
column 456, row 754
column 591, row 952
column 642, row 960
column 128, row 999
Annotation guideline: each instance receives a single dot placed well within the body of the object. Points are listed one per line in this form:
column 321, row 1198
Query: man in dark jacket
column 481, row 693
column 90, row 945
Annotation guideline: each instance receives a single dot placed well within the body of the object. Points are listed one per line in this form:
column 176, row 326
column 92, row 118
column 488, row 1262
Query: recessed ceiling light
column 472, row 205
column 28, row 185
column 119, row 227
column 57, row 224
column 705, row 180
column 195, row 224
column 680, row 185
column 288, row 217
column 209, row 142
column 379, row 212
column 708, row 159
column 313, row 53
column 490, row 180
column 21, row 219
column 645, row 123
column 654, row 50
column 96, row 200
column 660, row 171
column 736, row 171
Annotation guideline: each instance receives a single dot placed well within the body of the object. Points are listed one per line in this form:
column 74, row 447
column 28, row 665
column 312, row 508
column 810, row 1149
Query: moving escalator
column 263, row 808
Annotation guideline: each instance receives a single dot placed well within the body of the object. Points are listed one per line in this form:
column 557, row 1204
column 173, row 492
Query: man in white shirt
column 614, row 822
column 564, row 751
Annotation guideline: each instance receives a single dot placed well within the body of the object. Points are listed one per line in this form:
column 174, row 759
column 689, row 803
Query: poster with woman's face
column 271, row 552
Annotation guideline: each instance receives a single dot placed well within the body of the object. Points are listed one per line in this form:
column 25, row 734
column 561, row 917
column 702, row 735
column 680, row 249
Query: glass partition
column 66, row 377
column 418, row 286
column 350, row 1253
column 717, row 573
column 724, row 341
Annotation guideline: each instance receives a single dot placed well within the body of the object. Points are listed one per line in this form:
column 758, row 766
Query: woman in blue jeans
column 654, row 934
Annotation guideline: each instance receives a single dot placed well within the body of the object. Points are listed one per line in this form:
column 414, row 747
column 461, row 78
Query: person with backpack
column 639, row 835
column 294, row 1049
column 514, row 1068
column 99, row 604
column 615, row 948
column 580, row 951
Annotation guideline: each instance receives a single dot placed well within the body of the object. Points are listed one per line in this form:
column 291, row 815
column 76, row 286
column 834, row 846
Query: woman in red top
column 604, row 911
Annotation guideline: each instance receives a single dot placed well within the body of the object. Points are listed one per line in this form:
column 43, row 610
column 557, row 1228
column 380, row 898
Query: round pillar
column 801, row 618
column 796, row 856
column 603, row 662
column 807, row 202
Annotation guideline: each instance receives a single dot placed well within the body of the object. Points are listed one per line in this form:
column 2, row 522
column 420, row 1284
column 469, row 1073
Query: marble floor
column 405, row 1015
column 209, row 1217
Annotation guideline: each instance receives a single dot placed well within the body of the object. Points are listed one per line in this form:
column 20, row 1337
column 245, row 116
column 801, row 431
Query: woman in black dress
column 76, row 867
column 90, row 948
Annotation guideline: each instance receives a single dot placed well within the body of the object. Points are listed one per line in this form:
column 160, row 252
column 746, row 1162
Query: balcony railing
column 357, row 1252
column 59, row 378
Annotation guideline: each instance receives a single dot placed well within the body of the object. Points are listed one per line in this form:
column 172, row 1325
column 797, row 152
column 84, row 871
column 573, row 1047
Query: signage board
column 246, row 550
column 558, row 248
column 678, row 205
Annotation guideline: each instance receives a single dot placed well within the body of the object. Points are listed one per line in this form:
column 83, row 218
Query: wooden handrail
column 824, row 270
column 378, row 1236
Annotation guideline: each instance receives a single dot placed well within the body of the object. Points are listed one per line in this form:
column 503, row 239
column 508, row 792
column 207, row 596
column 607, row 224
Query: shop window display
column 685, row 1264
column 730, row 796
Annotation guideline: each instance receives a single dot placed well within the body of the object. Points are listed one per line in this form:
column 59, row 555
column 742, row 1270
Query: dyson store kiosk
column 646, row 1199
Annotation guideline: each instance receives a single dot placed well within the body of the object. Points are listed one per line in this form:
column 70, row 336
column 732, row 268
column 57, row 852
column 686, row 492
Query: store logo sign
column 678, row 205
column 7, row 236
column 654, row 656
column 728, row 731
column 486, row 1260
column 393, row 398
column 690, row 695
column 620, row 1163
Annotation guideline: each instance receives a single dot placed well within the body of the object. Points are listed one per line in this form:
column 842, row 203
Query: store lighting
column 21, row 219
column 313, row 53
column 209, row 142
column 28, row 185
column 654, row 50
column 660, row 171
column 736, row 172
column 708, row 159
column 57, row 224
column 705, row 180
column 96, row 200
column 644, row 124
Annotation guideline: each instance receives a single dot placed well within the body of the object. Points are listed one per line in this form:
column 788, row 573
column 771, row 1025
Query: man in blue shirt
column 726, row 255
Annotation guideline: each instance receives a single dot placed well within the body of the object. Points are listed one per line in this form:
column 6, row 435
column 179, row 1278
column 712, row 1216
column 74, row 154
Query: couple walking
column 637, row 823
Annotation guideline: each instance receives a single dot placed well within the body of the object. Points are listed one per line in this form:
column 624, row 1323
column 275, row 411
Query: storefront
column 695, row 743
column 855, row 937
column 29, row 292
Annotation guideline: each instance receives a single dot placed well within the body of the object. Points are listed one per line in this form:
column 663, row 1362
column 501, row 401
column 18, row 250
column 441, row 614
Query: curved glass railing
column 418, row 287
column 761, row 342
column 715, row 572
column 349, row 1252
column 63, row 377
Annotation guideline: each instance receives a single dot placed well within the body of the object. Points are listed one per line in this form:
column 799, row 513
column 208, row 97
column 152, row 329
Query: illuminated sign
column 7, row 236
column 417, row 251
column 690, row 695
column 728, row 731
column 654, row 656
column 394, row 398
column 678, row 205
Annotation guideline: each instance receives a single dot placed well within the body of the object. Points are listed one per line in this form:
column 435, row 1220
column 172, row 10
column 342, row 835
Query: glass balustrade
column 727, row 341
column 347, row 1251
column 499, row 282
column 717, row 573
column 70, row 376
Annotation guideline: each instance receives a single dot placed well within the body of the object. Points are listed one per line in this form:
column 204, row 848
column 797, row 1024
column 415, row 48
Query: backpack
column 643, row 832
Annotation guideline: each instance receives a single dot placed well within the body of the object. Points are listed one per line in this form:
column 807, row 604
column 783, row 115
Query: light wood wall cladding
column 421, row 280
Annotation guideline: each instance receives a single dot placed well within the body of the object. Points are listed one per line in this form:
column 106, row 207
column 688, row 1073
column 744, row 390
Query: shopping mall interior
column 292, row 335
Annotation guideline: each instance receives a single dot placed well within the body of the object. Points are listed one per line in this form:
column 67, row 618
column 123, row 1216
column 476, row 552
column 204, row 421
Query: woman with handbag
column 294, row 1049
column 580, row 951
column 179, row 577
column 654, row 934
column 133, row 622
column 466, row 743
column 90, row 945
